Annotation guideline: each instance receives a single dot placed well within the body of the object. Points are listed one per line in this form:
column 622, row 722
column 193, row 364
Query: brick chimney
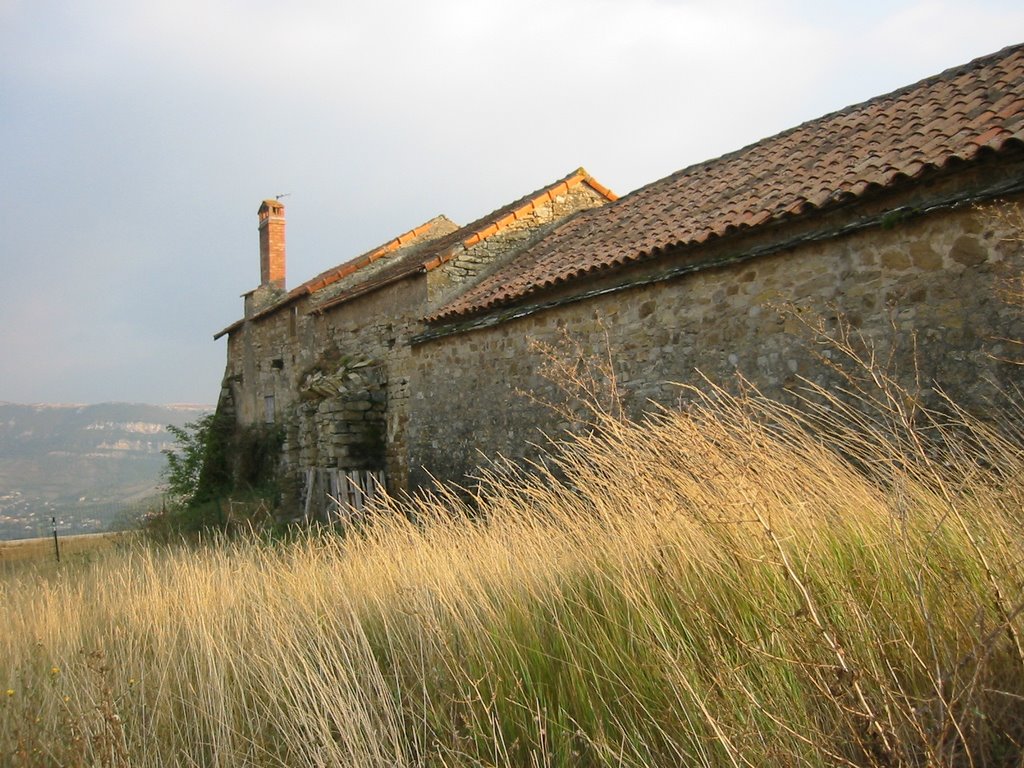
column 271, row 226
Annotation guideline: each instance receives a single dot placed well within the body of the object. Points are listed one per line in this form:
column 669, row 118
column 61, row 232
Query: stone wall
column 377, row 327
column 340, row 420
column 930, row 282
column 337, row 378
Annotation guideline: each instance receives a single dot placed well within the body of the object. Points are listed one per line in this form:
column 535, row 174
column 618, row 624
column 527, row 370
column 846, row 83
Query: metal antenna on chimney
column 286, row 194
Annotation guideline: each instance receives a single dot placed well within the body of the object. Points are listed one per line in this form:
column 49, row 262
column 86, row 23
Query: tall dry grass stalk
column 739, row 584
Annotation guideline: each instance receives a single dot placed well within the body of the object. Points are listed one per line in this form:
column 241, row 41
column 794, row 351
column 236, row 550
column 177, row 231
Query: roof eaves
column 344, row 270
column 365, row 288
column 230, row 329
column 495, row 311
column 801, row 209
column 876, row 172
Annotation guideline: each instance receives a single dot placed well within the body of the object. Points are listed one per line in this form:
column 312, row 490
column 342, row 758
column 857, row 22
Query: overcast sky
column 138, row 137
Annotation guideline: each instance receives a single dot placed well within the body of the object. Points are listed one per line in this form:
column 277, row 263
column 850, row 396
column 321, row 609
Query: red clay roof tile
column 938, row 122
column 437, row 252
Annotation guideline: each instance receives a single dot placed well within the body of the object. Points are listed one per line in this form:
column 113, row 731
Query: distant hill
column 87, row 465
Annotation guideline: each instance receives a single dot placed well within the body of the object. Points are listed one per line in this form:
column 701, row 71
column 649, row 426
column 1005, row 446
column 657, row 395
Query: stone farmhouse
column 873, row 214
column 329, row 359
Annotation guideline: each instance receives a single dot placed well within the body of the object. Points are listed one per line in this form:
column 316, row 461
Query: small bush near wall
column 220, row 475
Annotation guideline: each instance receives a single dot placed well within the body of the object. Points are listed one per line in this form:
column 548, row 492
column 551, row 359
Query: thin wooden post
column 56, row 544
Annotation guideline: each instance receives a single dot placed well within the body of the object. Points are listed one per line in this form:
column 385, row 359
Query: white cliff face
column 81, row 463
column 133, row 427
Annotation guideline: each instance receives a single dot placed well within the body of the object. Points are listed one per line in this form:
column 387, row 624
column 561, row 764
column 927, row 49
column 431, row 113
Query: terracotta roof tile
column 425, row 232
column 940, row 121
column 437, row 252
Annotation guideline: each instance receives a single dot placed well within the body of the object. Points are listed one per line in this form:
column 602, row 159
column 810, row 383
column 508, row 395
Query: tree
column 197, row 470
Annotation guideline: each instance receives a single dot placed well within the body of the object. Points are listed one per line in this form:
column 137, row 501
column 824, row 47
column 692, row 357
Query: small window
column 268, row 409
column 277, row 364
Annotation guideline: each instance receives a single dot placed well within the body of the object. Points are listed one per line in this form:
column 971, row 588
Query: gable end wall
column 469, row 265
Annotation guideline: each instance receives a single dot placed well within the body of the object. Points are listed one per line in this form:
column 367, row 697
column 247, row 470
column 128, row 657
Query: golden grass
column 71, row 547
column 739, row 584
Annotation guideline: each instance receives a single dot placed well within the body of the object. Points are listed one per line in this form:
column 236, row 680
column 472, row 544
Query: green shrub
column 218, row 474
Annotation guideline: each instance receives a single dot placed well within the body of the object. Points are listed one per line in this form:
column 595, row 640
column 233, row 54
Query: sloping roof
column 430, row 230
column 435, row 253
column 436, row 227
column 882, row 142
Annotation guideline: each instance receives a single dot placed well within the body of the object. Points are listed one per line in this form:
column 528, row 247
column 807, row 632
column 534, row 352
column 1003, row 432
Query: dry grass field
column 71, row 547
column 740, row 584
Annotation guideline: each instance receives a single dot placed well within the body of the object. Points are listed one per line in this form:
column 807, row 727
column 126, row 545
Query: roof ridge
column 354, row 264
column 529, row 204
column 444, row 248
column 947, row 74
